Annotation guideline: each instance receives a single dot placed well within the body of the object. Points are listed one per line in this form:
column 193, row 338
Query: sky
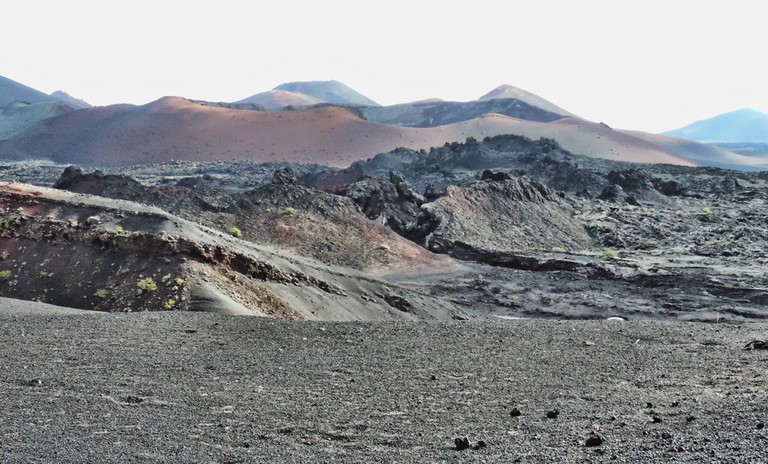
column 647, row 65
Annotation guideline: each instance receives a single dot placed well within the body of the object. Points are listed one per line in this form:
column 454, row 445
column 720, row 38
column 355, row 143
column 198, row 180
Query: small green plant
column 44, row 274
column 707, row 210
column 609, row 254
column 169, row 303
column 165, row 278
column 290, row 211
column 558, row 250
column 384, row 247
column 117, row 230
column 123, row 270
column 179, row 281
column 235, row 232
column 101, row 293
column 147, row 285
column 5, row 275
column 73, row 223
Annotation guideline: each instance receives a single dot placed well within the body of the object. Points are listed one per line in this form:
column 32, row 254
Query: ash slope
column 110, row 255
column 207, row 388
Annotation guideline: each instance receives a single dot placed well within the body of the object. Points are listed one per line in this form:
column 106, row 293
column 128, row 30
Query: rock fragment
column 461, row 443
column 593, row 440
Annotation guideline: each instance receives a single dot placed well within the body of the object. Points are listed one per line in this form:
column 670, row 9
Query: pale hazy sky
column 649, row 65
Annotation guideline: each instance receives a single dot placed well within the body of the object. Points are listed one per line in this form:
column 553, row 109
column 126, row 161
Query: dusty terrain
column 577, row 310
column 191, row 387
column 534, row 230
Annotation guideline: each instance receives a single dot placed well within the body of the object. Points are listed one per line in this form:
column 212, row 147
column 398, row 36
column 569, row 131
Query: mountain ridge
column 745, row 125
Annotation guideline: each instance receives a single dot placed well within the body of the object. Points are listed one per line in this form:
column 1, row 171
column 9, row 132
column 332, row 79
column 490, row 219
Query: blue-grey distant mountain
column 329, row 91
column 744, row 125
column 278, row 99
column 17, row 116
column 309, row 93
column 11, row 91
column 68, row 99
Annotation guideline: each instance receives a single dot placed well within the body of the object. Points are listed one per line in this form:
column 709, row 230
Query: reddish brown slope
column 176, row 129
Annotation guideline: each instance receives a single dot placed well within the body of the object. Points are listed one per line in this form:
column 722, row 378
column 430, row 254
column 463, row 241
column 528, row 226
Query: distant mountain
column 508, row 91
column 11, row 91
column 75, row 103
column 276, row 99
column 439, row 113
column 308, row 94
column 17, row 116
column 329, row 92
column 744, row 125
column 173, row 128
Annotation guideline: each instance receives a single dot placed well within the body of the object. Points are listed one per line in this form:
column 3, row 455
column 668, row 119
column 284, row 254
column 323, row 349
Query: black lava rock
column 553, row 414
column 284, row 176
column 593, row 440
column 515, row 412
column 461, row 443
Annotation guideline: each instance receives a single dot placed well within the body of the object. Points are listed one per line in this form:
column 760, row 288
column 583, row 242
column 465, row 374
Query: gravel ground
column 194, row 387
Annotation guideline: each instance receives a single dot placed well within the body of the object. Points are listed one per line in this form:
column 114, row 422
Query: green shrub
column 44, row 274
column 609, row 254
column 235, row 232
column 5, row 275
column 73, row 223
column 289, row 211
column 558, row 250
column 147, row 284
column 179, row 281
column 101, row 293
column 165, row 278
column 384, row 247
column 169, row 303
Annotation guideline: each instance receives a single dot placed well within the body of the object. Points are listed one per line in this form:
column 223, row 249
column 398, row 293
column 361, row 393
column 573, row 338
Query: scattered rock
column 134, row 399
column 35, row 382
column 489, row 175
column 461, row 443
column 757, row 345
column 284, row 176
column 613, row 193
column 656, row 419
column 760, row 425
column 593, row 440
column 480, row 444
column 433, row 377
column 399, row 302
column 666, row 436
column 515, row 412
column 553, row 414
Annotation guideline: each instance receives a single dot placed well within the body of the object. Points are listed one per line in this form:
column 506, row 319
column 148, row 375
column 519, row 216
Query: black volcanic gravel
column 192, row 387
